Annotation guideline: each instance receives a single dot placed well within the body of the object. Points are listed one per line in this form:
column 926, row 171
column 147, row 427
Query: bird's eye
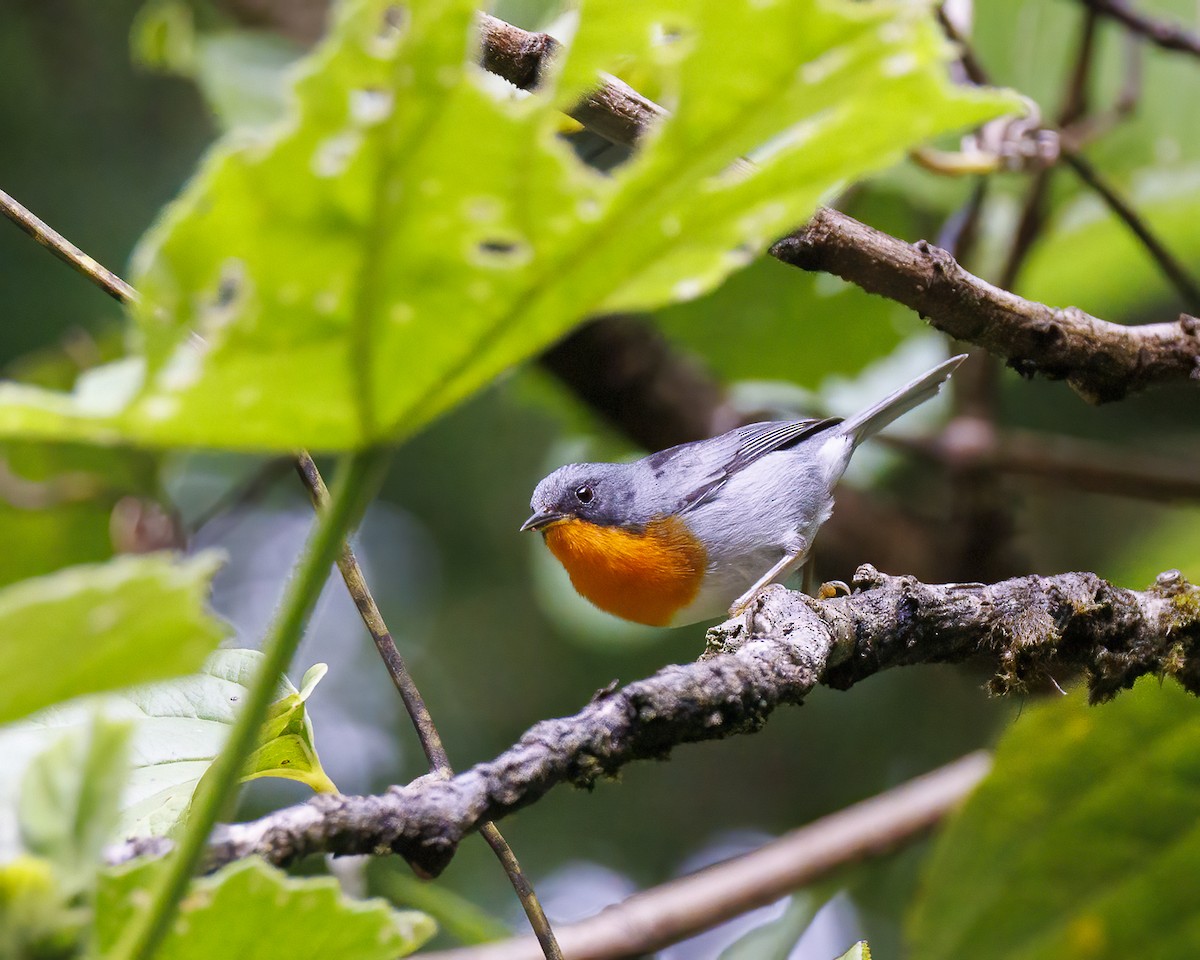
column 585, row 494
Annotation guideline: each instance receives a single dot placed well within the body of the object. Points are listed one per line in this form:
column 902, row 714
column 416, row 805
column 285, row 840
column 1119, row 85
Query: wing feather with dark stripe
column 754, row 442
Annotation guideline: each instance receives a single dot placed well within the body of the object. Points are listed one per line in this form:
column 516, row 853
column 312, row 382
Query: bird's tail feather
column 872, row 420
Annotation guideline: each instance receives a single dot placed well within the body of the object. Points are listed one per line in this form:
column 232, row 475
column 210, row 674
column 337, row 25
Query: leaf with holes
column 413, row 228
column 1082, row 842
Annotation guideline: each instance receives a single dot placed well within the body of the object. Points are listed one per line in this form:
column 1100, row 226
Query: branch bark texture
column 1102, row 361
column 1030, row 627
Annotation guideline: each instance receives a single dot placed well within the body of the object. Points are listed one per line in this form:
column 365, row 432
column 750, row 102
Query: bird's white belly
column 772, row 508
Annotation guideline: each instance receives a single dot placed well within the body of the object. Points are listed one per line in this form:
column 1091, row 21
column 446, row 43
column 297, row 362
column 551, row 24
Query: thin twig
column 1169, row 36
column 1076, row 101
column 1183, row 282
column 682, row 908
column 414, row 703
column 66, row 251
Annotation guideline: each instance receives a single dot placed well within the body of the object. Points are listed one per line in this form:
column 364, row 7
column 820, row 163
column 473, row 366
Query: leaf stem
column 357, row 477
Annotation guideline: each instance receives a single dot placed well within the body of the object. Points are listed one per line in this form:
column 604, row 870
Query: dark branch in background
column 682, row 908
column 1030, row 627
column 1159, row 32
column 632, row 375
column 1066, row 461
column 1102, row 361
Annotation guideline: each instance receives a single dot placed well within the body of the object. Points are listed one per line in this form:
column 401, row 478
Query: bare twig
column 1102, row 361
column 682, row 908
column 360, row 593
column 66, row 251
column 1183, row 282
column 1028, row 627
column 1159, row 32
column 614, row 109
column 414, row 703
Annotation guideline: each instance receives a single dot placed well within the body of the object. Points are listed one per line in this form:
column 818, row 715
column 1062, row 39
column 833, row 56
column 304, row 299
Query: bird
column 697, row 531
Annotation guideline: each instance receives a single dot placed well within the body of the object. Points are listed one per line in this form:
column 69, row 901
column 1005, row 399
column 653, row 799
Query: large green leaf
column 91, row 628
column 1083, row 841
column 252, row 911
column 177, row 728
column 413, row 229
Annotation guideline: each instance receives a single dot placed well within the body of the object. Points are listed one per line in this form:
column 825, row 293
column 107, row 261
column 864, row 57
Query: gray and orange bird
column 696, row 531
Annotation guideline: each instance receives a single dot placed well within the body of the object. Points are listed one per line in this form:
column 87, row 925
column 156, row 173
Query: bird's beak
column 542, row 519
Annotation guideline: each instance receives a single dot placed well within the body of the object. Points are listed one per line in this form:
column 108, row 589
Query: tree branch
column 1102, row 361
column 682, row 908
column 1030, row 627
column 1159, row 32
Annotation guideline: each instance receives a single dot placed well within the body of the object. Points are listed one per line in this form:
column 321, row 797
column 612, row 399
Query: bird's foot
column 833, row 588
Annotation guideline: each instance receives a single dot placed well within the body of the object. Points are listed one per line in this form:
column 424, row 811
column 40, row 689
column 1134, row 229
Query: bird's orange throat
column 647, row 577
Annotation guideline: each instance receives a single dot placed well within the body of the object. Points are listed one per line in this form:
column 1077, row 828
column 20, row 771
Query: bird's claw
column 833, row 588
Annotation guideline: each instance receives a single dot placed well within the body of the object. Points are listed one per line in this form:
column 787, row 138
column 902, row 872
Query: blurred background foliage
column 95, row 143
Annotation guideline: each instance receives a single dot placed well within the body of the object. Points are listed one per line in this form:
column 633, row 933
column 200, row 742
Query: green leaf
column 35, row 919
column 252, row 911
column 777, row 938
column 1082, row 842
column 178, row 727
column 70, row 800
column 91, row 628
column 287, row 747
column 412, row 230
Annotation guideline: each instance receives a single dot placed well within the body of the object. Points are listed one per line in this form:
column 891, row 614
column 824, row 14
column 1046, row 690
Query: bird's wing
column 743, row 447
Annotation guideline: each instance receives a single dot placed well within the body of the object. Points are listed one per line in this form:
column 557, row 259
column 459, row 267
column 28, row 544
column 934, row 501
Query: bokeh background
column 96, row 142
